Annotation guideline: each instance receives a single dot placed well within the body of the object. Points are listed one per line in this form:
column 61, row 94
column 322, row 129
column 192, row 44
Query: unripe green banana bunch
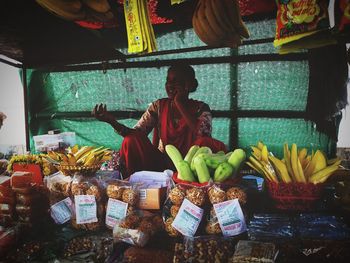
column 219, row 23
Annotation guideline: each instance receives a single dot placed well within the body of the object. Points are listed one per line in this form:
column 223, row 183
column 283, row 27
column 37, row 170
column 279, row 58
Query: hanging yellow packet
column 299, row 18
column 133, row 26
column 151, row 41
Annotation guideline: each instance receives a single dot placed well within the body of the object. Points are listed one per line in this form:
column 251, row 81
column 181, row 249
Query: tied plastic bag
column 88, row 195
column 58, row 186
column 122, row 199
column 137, row 228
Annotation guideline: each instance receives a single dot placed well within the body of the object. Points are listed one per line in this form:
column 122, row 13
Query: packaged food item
column 147, row 255
column 237, row 192
column 137, row 228
column 216, row 194
column 21, row 179
column 122, row 199
column 209, row 249
column 297, row 19
column 254, row 251
column 5, row 180
column 88, row 195
column 58, row 186
column 8, row 238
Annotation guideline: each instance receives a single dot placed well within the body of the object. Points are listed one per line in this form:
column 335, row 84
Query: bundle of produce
column 85, row 160
column 298, row 175
column 219, row 23
column 201, row 165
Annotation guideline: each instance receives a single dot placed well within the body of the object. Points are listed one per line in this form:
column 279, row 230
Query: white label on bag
column 143, row 194
column 188, row 218
column 61, row 212
column 85, row 209
column 230, row 217
column 116, row 210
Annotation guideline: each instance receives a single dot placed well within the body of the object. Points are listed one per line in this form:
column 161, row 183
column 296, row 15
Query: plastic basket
column 294, row 196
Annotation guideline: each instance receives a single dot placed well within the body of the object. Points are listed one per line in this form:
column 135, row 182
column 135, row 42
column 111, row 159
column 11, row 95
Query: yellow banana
column 296, row 166
column 260, row 145
column 281, row 169
column 264, row 154
column 322, row 175
column 287, row 160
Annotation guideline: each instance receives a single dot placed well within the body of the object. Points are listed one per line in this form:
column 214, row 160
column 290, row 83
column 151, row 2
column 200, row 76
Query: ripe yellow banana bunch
column 296, row 165
column 84, row 156
column 219, row 23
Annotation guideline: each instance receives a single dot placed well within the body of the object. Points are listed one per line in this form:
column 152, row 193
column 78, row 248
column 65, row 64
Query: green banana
column 201, row 169
column 223, row 172
column 191, row 152
column 236, row 159
column 184, row 171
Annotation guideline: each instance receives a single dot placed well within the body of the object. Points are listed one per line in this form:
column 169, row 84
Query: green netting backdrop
column 276, row 85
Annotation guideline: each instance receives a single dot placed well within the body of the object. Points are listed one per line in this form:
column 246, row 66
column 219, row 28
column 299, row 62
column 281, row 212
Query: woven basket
column 70, row 170
column 294, row 196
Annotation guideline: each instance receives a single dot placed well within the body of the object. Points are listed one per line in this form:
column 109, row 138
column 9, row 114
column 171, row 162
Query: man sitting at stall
column 176, row 120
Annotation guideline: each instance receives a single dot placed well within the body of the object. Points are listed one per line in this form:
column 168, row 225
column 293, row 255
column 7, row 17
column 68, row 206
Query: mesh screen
column 280, row 85
column 259, row 86
column 275, row 132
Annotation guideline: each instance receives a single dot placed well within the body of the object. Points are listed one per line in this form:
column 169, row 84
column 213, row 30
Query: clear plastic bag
column 137, row 228
column 89, row 186
column 204, row 249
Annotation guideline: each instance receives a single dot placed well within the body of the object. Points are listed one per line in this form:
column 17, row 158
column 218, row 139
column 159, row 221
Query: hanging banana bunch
column 219, row 23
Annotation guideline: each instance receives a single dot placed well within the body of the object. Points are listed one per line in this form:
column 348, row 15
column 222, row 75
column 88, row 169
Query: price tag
column 230, row 217
column 85, row 209
column 61, row 212
column 188, row 218
column 116, row 210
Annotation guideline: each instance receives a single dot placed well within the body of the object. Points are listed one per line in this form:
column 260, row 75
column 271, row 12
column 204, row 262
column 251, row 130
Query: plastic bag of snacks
column 137, row 228
column 226, row 215
column 88, row 195
column 183, row 200
column 204, row 249
column 58, row 186
column 122, row 199
column 254, row 251
column 297, row 19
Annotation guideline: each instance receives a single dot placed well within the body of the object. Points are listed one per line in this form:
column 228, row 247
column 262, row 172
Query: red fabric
column 140, row 154
column 181, row 136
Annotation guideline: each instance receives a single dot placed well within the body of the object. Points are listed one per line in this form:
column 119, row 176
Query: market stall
column 278, row 193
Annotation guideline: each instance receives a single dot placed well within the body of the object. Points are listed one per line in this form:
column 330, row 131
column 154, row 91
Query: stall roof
column 36, row 38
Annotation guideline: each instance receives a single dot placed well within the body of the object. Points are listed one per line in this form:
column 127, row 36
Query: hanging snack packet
column 344, row 14
column 299, row 18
